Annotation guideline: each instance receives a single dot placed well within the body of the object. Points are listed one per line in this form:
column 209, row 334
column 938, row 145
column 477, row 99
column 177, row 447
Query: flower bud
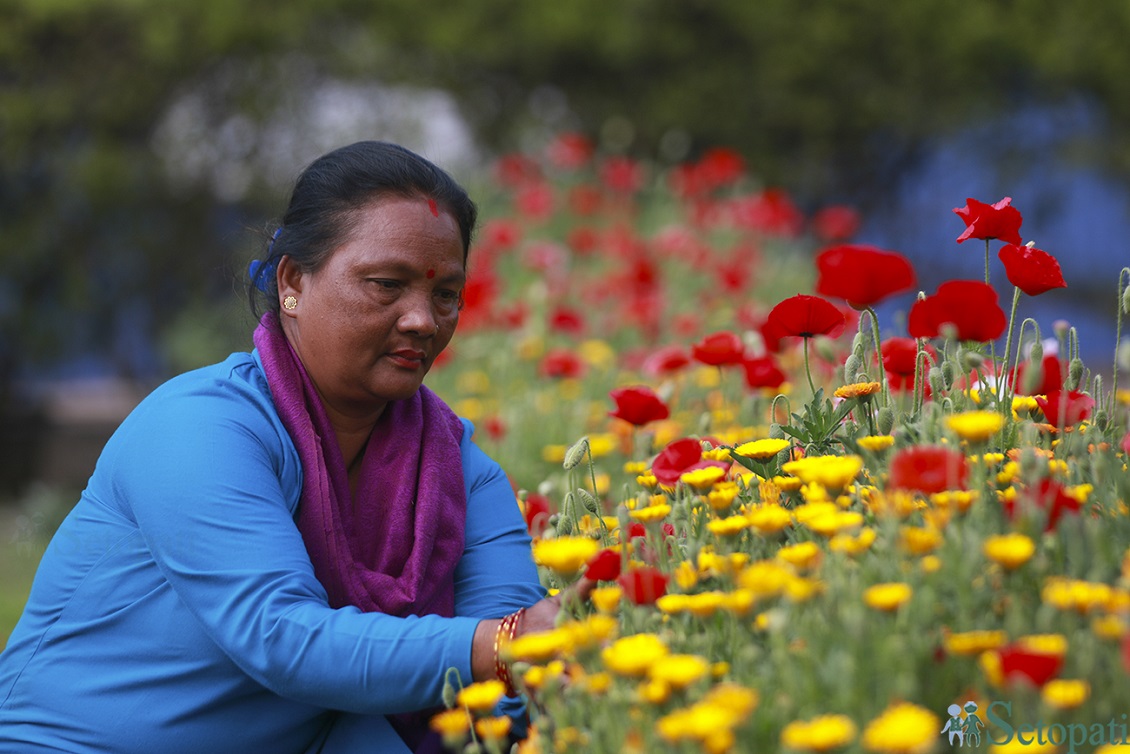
column 885, row 420
column 1126, row 300
column 576, row 454
column 1074, row 373
column 949, row 372
column 1101, row 419
column 851, row 368
column 937, row 385
column 1036, row 352
column 591, row 504
column 971, row 360
column 776, row 432
column 448, row 694
column 825, row 347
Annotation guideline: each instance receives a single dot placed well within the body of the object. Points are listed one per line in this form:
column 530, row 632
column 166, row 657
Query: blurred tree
column 830, row 99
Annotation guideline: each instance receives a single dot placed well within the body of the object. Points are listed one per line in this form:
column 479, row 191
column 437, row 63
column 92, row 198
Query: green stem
column 807, row 371
column 879, row 355
column 1006, row 406
column 987, row 262
column 1124, row 272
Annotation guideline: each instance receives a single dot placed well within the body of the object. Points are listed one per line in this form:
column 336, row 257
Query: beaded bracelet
column 507, row 627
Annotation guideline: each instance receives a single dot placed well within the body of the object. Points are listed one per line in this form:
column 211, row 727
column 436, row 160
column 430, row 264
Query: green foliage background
column 831, row 100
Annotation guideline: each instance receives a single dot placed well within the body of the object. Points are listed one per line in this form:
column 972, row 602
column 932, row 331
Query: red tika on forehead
column 433, row 207
column 431, row 273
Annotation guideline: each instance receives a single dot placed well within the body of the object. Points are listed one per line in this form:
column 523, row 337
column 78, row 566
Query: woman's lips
column 408, row 358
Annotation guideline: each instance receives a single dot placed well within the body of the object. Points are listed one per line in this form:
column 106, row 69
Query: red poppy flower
column 561, row 362
column 862, row 275
column 1048, row 381
column 514, row 169
column 564, row 319
column 899, row 355
column 585, row 200
column 604, row 566
column 969, row 305
column 1033, row 667
column 1065, row 408
column 534, row 201
column 643, row 585
column 677, row 457
column 719, row 349
column 1049, row 496
column 835, row 223
column 1030, row 269
column 1125, row 445
column 805, row 316
column 638, row 405
column 621, row 174
column 762, row 371
column 928, row 469
column 771, row 212
column 666, row 360
column 537, row 510
column 570, row 150
column 986, row 221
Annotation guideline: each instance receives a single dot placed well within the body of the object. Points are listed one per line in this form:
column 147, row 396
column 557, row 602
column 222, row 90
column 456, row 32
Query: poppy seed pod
column 1126, row 300
column 971, row 360
column 937, row 385
column 885, row 420
column 949, row 373
column 851, row 368
column 591, row 504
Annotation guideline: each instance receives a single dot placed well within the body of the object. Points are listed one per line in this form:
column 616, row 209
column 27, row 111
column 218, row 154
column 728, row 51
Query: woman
column 287, row 551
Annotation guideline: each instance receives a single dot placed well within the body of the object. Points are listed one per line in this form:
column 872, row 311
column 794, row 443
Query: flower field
column 808, row 534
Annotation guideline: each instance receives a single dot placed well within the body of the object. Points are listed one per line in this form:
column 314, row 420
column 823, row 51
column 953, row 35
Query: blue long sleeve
column 176, row 608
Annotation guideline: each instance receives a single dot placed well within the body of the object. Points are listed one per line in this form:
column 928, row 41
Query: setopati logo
column 963, row 728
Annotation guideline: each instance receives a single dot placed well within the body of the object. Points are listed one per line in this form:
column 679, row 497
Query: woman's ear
column 290, row 279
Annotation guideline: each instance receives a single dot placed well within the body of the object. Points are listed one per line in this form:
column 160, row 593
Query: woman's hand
column 538, row 617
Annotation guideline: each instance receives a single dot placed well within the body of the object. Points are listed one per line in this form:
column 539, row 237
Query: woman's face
column 370, row 322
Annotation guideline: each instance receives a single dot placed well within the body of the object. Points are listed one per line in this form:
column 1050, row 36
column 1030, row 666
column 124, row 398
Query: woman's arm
column 200, row 476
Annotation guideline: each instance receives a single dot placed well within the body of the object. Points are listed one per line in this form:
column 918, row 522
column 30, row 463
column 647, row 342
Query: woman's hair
column 323, row 207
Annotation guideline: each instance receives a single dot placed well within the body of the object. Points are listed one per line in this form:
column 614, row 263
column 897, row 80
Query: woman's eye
column 386, row 285
column 448, row 297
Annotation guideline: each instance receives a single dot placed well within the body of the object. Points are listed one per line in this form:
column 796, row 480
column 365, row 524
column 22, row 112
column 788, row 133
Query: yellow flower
column 635, row 467
column 972, row 643
column 853, row 545
column 834, row 522
column 1048, row 644
column 738, row 602
column 787, row 483
column 765, row 578
column 729, row 526
column 919, row 540
column 876, row 443
column 452, row 724
column 762, row 449
column 833, row 472
column 887, row 597
column 1010, row 551
column 705, row 604
column 769, row 519
column 647, row 481
column 686, row 575
column 722, row 495
column 858, row 390
column 703, row 479
column 1023, row 403
column 976, row 426
column 819, row 734
column 902, row 728
column 960, row 499
column 654, row 692
column 492, row 728
column 800, row 589
column 606, row 598
column 650, row 513
column 553, row 453
column 1075, row 594
column 565, row 555
column 733, row 697
column 537, row 675
column 679, row 671
column 481, row 696
column 802, row 555
column 673, row 604
column 540, row 646
column 1063, row 693
column 931, row 564
column 596, row 353
column 633, row 655
column 1108, row 627
column 1025, row 745
column 596, row 683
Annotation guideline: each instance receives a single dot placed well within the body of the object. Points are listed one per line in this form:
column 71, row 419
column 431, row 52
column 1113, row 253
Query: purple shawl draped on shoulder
column 393, row 547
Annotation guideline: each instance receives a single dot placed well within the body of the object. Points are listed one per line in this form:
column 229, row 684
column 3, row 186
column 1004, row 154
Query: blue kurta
column 176, row 609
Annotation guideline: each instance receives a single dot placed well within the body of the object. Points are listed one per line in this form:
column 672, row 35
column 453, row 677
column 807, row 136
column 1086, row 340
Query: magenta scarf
column 394, row 549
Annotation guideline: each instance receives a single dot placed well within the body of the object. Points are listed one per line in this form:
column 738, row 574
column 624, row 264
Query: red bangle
column 507, row 631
